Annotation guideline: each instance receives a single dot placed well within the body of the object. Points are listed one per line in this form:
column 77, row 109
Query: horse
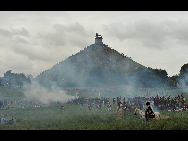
column 142, row 114
column 119, row 107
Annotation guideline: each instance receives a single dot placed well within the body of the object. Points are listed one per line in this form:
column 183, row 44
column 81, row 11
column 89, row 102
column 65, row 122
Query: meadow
column 78, row 117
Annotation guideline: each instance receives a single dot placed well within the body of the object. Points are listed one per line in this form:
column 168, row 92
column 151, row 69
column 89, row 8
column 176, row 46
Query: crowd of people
column 19, row 103
column 170, row 103
column 86, row 101
column 158, row 103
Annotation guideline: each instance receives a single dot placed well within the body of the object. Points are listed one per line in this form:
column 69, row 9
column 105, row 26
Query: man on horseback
column 148, row 112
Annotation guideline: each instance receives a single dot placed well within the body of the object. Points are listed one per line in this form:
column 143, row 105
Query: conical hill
column 95, row 65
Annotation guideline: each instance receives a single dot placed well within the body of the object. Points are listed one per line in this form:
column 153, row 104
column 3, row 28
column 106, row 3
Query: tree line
column 15, row 79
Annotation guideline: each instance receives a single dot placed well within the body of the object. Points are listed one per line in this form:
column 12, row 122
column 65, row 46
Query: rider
column 148, row 112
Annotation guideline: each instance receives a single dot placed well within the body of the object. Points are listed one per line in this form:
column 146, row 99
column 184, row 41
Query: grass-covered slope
column 95, row 63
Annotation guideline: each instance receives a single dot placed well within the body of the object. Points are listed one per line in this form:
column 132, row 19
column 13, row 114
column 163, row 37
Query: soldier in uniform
column 148, row 112
column 62, row 108
column 89, row 106
column 109, row 106
column 114, row 101
column 98, row 106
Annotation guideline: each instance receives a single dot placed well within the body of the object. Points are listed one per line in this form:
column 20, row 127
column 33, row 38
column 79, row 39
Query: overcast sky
column 32, row 41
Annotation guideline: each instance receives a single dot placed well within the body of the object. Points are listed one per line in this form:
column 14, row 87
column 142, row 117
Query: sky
column 33, row 41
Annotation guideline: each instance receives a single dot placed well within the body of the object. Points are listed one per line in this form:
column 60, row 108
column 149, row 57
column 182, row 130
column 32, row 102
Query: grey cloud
column 33, row 54
column 11, row 32
column 73, row 28
column 22, row 31
column 144, row 31
column 153, row 34
column 21, row 40
column 5, row 33
column 16, row 62
column 179, row 31
column 55, row 38
column 72, row 35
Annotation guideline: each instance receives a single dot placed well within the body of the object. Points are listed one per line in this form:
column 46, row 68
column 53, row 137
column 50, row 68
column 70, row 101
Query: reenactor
column 114, row 100
column 148, row 112
column 98, row 106
column 119, row 107
column 109, row 106
column 89, row 106
column 62, row 108
column 183, row 99
column 118, row 99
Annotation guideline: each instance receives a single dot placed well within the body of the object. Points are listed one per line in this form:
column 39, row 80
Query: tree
column 162, row 74
column 184, row 69
column 183, row 76
column 172, row 81
column 19, row 79
column 144, row 77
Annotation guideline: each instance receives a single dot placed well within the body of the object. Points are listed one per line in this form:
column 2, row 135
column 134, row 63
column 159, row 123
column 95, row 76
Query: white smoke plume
column 45, row 95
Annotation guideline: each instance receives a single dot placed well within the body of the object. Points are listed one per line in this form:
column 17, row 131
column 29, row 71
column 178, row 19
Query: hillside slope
column 96, row 65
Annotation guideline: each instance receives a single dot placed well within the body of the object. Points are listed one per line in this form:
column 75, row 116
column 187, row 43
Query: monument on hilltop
column 98, row 39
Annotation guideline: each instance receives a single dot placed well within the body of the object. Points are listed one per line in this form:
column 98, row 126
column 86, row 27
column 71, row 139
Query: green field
column 78, row 117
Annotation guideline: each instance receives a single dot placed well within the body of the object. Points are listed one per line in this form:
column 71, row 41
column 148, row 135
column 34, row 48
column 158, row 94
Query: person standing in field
column 109, row 106
column 89, row 106
column 98, row 106
column 62, row 108
column 114, row 100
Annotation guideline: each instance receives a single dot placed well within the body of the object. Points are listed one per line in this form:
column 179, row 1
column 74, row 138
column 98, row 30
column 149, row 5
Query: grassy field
column 77, row 117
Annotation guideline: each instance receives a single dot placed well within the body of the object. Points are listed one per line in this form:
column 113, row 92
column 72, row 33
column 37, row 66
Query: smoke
column 183, row 80
column 45, row 95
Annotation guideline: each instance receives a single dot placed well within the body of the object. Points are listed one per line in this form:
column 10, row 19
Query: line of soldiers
column 90, row 106
column 160, row 103
column 170, row 103
column 98, row 102
column 85, row 101
column 157, row 103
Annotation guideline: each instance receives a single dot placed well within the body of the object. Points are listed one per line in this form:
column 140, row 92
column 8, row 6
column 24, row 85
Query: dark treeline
column 148, row 77
column 182, row 77
column 15, row 79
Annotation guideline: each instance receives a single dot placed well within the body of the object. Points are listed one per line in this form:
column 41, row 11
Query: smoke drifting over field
column 45, row 95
